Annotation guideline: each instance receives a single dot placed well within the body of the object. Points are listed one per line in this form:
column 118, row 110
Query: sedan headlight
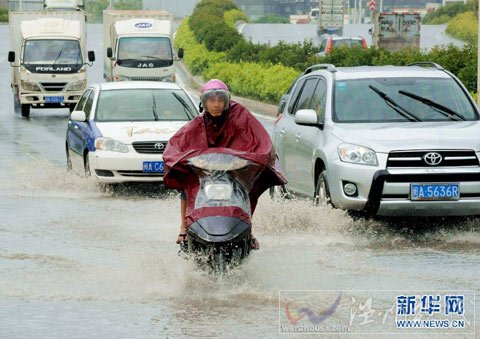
column 77, row 85
column 120, row 78
column 218, row 191
column 357, row 154
column 30, row 86
column 108, row 144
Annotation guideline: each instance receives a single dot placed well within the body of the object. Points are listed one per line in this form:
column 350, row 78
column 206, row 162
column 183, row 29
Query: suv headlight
column 30, row 86
column 108, row 144
column 357, row 154
column 77, row 85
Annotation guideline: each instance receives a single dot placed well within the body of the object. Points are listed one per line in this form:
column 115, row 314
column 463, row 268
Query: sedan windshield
column 144, row 105
column 378, row 100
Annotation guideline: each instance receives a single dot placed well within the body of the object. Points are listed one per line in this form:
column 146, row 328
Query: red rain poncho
column 242, row 135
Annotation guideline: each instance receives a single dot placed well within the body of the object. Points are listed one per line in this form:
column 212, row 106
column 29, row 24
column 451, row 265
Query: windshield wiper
column 58, row 56
column 396, row 107
column 154, row 107
column 436, row 106
column 184, row 104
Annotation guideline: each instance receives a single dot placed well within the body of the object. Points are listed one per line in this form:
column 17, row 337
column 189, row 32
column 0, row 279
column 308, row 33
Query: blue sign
column 143, row 25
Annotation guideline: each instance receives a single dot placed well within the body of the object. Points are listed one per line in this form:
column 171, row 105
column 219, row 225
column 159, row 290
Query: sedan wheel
column 86, row 163
column 69, row 160
column 322, row 194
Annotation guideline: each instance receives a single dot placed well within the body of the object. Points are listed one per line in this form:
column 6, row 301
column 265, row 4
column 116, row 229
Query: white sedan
column 119, row 130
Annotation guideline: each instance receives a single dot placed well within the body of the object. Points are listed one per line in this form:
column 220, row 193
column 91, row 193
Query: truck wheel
column 25, row 110
column 16, row 104
column 322, row 193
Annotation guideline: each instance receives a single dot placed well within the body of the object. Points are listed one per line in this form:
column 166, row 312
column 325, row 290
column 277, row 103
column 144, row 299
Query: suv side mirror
column 11, row 56
column 282, row 103
column 91, row 56
column 109, row 52
column 306, row 117
column 180, row 53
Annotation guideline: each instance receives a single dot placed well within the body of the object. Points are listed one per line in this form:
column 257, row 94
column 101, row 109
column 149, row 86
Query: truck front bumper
column 50, row 99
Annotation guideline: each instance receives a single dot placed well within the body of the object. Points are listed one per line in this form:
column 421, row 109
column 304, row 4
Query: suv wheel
column 279, row 193
column 322, row 194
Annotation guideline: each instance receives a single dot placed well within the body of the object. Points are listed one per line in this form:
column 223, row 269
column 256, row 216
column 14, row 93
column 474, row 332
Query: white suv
column 388, row 140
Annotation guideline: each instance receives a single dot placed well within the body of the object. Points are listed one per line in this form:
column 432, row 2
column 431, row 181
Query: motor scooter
column 220, row 236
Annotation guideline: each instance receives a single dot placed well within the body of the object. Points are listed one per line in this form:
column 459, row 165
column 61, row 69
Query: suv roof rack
column 427, row 64
column 328, row 67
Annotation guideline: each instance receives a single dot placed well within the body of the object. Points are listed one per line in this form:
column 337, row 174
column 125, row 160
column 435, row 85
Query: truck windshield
column 144, row 104
column 52, row 52
column 144, row 49
column 355, row 101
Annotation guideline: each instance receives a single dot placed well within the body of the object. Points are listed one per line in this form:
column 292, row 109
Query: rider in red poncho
column 226, row 126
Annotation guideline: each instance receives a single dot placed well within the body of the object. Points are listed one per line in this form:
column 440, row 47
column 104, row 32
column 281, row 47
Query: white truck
column 138, row 45
column 48, row 58
column 395, row 31
column 330, row 17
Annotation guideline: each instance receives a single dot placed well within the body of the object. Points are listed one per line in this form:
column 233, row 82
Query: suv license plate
column 434, row 191
column 153, row 167
column 53, row 99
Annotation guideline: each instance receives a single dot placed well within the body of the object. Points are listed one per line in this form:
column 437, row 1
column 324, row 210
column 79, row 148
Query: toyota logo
column 432, row 158
column 159, row 146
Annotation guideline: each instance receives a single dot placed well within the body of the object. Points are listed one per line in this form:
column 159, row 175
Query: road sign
column 371, row 5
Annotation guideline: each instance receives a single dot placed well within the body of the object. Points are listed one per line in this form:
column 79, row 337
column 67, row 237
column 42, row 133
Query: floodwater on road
column 79, row 259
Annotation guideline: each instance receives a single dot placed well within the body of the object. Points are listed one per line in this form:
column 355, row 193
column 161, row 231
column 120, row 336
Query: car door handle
column 282, row 132
column 297, row 136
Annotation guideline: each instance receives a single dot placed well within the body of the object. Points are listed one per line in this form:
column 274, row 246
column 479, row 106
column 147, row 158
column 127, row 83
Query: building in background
column 179, row 8
column 258, row 8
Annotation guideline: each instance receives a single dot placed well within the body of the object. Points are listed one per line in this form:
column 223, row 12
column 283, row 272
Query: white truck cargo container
column 330, row 17
column 63, row 5
column 395, row 31
column 48, row 58
column 138, row 45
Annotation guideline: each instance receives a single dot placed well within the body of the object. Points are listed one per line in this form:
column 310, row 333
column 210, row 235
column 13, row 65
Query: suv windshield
column 355, row 101
column 144, row 105
column 347, row 42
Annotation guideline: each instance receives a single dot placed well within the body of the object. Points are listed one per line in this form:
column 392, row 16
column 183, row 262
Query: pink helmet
column 215, row 89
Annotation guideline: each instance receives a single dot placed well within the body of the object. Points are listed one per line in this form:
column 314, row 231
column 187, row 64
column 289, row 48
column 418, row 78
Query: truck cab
column 48, row 59
column 139, row 48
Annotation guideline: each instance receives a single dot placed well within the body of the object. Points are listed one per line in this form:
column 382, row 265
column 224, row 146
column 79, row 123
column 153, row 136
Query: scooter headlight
column 218, row 191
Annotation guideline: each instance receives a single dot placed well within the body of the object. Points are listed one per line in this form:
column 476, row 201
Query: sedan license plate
column 434, row 191
column 153, row 167
column 54, row 99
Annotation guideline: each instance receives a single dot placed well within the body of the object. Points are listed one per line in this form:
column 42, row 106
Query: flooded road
column 81, row 260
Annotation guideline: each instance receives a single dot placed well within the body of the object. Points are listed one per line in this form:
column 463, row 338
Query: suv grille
column 432, row 158
column 151, row 147
column 53, row 86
